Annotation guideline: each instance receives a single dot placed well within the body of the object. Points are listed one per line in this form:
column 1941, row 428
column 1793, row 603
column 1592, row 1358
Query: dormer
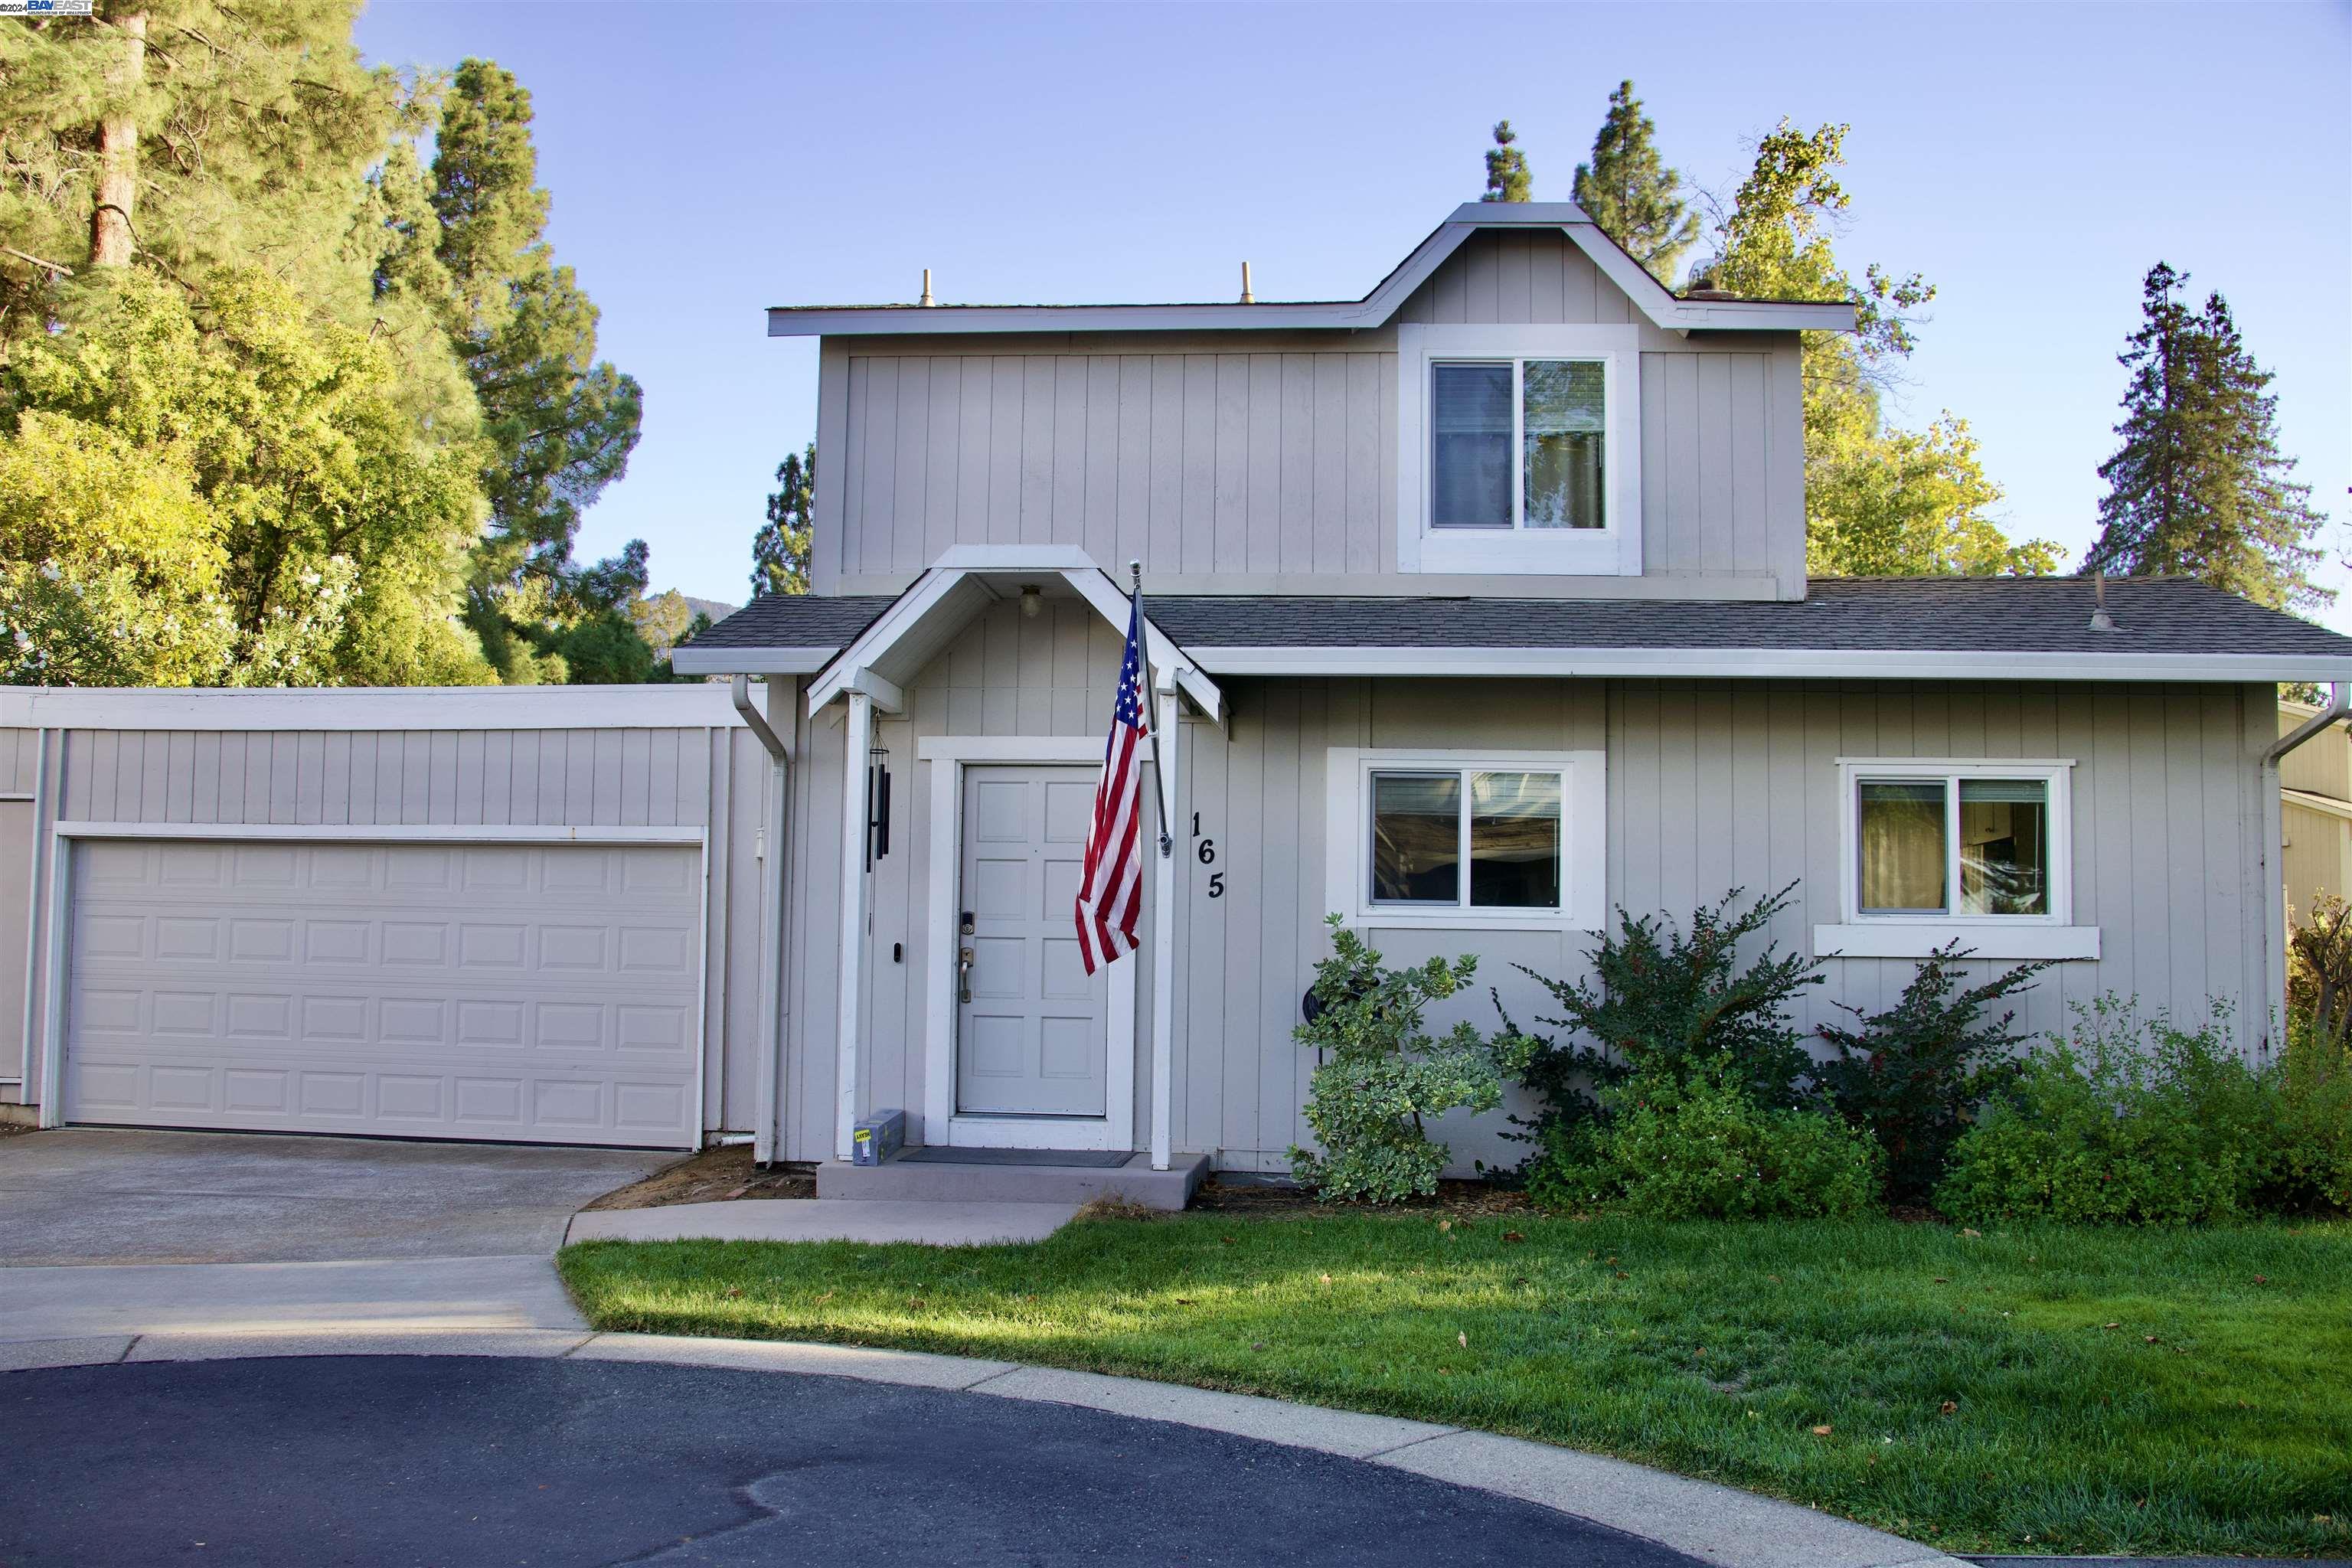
column 1518, row 407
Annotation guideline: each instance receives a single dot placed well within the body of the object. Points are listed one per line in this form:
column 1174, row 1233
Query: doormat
column 1090, row 1159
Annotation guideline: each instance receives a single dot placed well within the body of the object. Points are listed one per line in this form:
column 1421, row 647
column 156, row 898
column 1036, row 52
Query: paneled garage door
column 525, row 992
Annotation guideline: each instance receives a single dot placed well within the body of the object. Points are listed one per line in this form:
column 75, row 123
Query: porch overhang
column 919, row 625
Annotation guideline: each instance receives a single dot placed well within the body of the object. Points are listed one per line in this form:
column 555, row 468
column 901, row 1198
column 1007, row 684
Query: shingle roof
column 1991, row 614
column 797, row 620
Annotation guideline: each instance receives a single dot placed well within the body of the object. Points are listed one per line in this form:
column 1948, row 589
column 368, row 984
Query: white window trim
column 2006, row 937
column 1346, row 858
column 1615, row 551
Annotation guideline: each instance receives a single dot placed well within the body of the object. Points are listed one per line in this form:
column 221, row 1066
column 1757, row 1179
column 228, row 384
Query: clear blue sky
column 707, row 160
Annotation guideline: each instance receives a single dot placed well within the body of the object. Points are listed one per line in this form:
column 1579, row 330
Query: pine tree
column 1507, row 167
column 779, row 551
column 2198, row 488
column 183, row 136
column 228, row 442
column 560, row 423
column 1633, row 197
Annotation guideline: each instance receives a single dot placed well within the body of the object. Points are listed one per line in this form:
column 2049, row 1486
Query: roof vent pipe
column 2100, row 620
column 1247, row 298
column 926, row 299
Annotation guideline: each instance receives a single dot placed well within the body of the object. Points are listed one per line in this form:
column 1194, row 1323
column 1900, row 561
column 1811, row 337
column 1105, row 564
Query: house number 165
column 1207, row 852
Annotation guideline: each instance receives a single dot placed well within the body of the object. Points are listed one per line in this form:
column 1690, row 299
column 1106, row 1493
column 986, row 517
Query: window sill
column 1918, row 939
column 1404, row 916
column 1571, row 551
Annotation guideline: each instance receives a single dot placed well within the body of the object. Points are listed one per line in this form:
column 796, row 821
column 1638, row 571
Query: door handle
column 963, row 975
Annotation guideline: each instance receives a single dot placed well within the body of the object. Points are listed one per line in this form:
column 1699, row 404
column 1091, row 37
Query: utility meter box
column 876, row 1140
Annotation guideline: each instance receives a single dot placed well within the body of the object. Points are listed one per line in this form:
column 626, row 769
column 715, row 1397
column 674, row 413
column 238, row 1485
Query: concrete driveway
column 107, row 1233
column 85, row 1195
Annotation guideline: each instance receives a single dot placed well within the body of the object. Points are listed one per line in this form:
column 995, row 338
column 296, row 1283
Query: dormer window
column 1518, row 443
column 1514, row 448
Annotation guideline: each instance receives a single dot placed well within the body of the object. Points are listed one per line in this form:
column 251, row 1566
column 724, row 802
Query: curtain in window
column 1901, row 829
column 1470, row 453
column 1564, row 416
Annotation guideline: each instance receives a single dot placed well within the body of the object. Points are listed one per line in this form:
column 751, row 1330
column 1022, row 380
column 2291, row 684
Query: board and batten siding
column 1714, row 787
column 1249, row 456
column 701, row 777
column 1711, row 786
column 1004, row 674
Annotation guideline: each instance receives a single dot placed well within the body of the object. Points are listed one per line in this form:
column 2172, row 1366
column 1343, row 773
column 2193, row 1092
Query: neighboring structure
column 1477, row 611
column 2316, row 813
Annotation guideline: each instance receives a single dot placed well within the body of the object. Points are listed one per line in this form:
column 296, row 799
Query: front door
column 1031, row 1026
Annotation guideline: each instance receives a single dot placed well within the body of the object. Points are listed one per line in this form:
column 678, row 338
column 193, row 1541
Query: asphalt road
column 395, row 1460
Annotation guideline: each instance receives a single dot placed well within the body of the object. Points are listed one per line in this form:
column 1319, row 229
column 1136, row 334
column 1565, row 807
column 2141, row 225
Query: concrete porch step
column 935, row 1181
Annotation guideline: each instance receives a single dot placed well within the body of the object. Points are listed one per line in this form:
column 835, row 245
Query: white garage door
column 532, row 993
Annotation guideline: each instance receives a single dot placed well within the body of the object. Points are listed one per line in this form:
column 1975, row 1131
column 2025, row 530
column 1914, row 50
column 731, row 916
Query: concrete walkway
column 1711, row 1524
column 827, row 1219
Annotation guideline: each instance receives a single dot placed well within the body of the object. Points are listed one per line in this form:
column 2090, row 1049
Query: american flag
column 1110, row 894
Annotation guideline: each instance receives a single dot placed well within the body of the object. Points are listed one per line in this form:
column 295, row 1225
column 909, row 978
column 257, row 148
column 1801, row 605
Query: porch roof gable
column 905, row 634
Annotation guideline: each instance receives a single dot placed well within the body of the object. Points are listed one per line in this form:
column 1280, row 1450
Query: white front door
column 1031, row 1026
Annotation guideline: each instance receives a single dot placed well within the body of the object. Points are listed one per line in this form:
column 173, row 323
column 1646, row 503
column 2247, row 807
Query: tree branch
column 61, row 270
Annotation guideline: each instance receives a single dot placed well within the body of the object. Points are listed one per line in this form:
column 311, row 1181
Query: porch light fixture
column 1032, row 600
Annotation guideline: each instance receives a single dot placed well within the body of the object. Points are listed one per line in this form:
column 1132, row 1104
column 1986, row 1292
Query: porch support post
column 1163, row 934
column 856, row 735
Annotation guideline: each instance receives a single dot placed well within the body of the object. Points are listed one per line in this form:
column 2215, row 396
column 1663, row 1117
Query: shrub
column 2308, row 1153
column 2127, row 1121
column 1383, row 1074
column 1912, row 1076
column 1675, row 1005
column 1700, row 1147
column 2319, row 970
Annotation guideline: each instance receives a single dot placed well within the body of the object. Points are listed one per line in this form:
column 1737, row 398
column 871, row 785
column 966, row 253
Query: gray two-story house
column 1477, row 611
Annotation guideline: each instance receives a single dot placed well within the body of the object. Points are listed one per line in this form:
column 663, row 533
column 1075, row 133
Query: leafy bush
column 2319, row 970
column 1667, row 1004
column 2127, row 1121
column 2308, row 1150
column 1383, row 1074
column 1912, row 1076
column 1701, row 1147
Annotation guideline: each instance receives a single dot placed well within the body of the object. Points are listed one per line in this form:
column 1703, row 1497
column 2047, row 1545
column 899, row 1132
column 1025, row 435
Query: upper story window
column 1519, row 443
column 1519, row 449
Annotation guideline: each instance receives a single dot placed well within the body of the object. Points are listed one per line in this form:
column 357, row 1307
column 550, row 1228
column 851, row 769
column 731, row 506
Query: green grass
column 2215, row 1416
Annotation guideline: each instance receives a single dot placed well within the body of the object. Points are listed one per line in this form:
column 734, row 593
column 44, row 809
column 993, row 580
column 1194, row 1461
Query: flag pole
column 1159, row 773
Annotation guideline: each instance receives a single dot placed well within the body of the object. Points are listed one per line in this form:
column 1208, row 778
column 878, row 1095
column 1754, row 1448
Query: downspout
column 33, row 922
column 2339, row 706
column 767, row 1081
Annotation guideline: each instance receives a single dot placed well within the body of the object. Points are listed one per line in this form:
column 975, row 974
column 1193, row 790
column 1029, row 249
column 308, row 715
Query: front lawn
column 2032, row 1390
